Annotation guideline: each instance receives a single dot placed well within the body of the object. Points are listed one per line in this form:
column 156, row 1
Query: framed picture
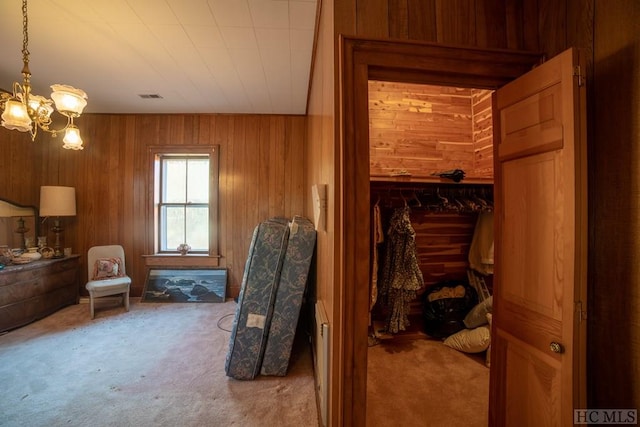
column 191, row 284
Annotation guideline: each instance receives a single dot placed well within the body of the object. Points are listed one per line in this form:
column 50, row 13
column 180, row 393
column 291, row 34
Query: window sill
column 176, row 260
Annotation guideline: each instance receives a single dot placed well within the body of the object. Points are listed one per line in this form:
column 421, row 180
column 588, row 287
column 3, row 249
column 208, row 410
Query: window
column 186, row 201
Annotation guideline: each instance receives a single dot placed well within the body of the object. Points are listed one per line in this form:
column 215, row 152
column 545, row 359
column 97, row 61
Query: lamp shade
column 57, row 201
column 72, row 139
column 8, row 210
column 69, row 100
column 41, row 106
column 15, row 116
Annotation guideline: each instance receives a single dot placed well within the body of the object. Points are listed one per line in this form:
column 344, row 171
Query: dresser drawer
column 60, row 279
column 29, row 310
column 31, row 291
column 19, row 313
column 8, row 278
column 21, row 290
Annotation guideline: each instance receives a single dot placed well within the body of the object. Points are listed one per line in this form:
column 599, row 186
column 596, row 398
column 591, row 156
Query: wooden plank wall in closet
column 482, row 118
column 418, row 130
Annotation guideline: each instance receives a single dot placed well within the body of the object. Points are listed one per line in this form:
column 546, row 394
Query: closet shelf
column 428, row 180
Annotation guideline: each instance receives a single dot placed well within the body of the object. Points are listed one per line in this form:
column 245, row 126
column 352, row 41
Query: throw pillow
column 478, row 314
column 107, row 268
column 469, row 340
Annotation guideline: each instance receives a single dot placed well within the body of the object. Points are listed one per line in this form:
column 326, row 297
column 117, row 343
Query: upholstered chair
column 107, row 274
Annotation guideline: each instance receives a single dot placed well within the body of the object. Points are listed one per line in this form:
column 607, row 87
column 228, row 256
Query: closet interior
column 431, row 193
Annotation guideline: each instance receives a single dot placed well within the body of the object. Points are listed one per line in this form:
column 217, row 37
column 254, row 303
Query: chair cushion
column 107, row 268
column 108, row 284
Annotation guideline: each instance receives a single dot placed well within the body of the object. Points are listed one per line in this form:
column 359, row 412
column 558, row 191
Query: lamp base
column 57, row 248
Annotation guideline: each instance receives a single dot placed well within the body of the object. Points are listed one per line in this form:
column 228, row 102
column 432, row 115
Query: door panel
column 532, row 125
column 540, row 237
column 534, row 214
column 537, row 372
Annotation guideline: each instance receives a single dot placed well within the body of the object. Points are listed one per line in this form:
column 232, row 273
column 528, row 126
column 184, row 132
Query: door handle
column 556, row 347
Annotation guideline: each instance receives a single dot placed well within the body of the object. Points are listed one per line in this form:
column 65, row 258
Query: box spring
column 256, row 299
column 289, row 297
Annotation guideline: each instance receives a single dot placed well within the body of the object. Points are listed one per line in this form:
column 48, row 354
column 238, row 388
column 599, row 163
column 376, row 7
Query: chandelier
column 26, row 112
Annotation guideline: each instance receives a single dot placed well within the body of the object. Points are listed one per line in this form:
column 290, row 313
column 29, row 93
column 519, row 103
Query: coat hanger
column 414, row 196
column 443, row 200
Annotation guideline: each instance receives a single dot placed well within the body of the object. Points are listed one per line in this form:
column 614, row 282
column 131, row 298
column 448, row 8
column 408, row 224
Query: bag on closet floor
column 445, row 306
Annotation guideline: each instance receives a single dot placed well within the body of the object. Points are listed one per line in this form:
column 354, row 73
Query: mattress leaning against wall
column 288, row 302
column 256, row 299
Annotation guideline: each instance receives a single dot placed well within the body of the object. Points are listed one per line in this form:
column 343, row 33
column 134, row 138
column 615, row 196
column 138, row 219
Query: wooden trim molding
column 170, row 260
column 412, row 62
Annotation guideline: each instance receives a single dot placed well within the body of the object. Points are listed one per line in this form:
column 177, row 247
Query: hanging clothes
column 481, row 250
column 401, row 276
column 378, row 238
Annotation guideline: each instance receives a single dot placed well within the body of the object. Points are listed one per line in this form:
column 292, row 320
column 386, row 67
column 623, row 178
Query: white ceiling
column 200, row 56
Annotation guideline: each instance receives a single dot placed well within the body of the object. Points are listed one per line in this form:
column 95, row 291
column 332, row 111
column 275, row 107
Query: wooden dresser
column 32, row 291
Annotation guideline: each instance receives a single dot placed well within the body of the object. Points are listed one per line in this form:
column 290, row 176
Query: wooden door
column 538, row 347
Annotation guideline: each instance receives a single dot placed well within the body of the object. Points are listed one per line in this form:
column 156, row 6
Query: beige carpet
column 157, row 365
column 417, row 381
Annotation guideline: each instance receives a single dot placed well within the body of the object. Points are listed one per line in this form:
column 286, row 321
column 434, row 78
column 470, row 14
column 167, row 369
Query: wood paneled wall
column 322, row 168
column 485, row 23
column 261, row 175
column 545, row 26
column 614, row 208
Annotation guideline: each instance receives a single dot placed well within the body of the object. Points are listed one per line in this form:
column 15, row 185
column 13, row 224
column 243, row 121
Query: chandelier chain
column 25, row 112
column 25, row 34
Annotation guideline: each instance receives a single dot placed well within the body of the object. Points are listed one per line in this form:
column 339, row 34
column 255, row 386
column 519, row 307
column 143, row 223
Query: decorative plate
column 21, row 260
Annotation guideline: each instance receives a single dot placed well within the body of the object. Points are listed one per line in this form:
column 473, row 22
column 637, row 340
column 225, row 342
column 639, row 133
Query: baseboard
column 321, row 361
column 86, row 300
column 113, row 299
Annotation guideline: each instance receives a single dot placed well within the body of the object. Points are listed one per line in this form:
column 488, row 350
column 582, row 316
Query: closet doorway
column 542, row 134
column 410, row 62
column 418, row 132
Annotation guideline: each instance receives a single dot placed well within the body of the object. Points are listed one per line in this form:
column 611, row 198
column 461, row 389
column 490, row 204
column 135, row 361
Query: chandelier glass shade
column 26, row 112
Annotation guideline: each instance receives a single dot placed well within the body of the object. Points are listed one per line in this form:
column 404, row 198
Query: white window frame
column 157, row 153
